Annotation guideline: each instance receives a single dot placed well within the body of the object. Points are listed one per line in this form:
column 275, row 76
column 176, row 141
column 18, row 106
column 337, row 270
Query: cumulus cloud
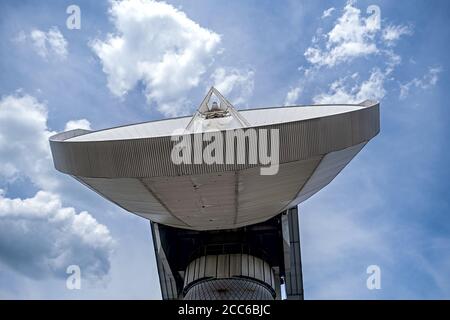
column 38, row 235
column 292, row 96
column 40, row 238
column 45, row 44
column 159, row 46
column 372, row 88
column 427, row 81
column 235, row 84
column 24, row 147
column 78, row 124
column 351, row 37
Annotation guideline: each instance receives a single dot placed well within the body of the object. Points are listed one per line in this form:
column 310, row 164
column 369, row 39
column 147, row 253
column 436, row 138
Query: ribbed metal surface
column 151, row 157
column 228, row 266
column 228, row 289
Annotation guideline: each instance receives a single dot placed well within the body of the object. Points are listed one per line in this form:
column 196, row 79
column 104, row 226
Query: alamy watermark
column 374, row 280
column 231, row 147
column 73, row 21
column 73, row 281
column 375, row 12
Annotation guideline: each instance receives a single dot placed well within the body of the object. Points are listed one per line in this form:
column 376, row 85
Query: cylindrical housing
column 229, row 276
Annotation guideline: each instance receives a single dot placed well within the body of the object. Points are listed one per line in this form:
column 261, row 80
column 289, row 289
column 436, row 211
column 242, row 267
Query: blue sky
column 389, row 207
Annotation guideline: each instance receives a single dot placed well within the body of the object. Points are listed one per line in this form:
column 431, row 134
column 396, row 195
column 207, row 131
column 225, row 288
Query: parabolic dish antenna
column 218, row 185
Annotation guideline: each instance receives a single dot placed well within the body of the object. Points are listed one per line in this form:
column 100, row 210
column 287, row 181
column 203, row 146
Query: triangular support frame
column 225, row 108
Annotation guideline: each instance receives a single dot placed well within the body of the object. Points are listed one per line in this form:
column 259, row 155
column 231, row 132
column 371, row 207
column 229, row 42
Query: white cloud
column 24, row 146
column 40, row 238
column 236, row 85
column 427, row 81
column 159, row 46
column 46, row 43
column 78, row 124
column 392, row 33
column 39, row 39
column 351, row 37
column 292, row 96
column 371, row 89
column 354, row 35
column 392, row 60
column 328, row 12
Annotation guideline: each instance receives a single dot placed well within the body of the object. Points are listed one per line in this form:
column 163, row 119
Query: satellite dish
column 133, row 165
